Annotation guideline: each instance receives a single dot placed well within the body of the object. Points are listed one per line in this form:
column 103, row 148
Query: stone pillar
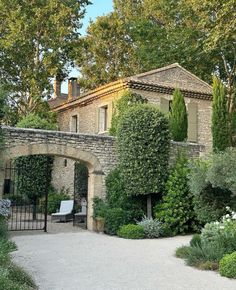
column 94, row 189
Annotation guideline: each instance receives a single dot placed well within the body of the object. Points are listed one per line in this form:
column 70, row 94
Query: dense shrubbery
column 131, row 231
column 213, row 183
column 176, row 209
column 12, row 277
column 118, row 209
column 217, row 239
column 152, row 227
column 54, row 201
column 227, row 266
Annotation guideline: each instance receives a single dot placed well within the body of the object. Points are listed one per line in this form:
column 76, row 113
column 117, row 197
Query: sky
column 98, row 8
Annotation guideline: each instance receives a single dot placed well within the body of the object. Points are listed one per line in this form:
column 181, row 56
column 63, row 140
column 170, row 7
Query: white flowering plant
column 5, row 205
column 223, row 230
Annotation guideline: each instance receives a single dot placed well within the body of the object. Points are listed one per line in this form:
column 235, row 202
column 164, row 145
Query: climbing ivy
column 34, row 172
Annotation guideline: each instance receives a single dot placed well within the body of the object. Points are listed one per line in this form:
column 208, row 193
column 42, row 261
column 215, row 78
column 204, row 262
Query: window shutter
column 109, row 114
column 97, row 120
column 164, row 105
column 192, row 122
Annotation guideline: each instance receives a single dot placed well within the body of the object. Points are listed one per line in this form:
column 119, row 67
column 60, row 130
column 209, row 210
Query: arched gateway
column 97, row 152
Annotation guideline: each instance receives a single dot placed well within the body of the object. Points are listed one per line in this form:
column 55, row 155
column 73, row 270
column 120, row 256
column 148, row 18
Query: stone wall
column 97, row 152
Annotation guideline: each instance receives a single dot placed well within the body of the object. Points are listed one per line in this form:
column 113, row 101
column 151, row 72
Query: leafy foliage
column 35, row 121
column 227, row 267
column 107, row 52
column 220, row 117
column 152, row 227
column 131, row 231
column 216, row 240
column 81, row 180
column 54, row 201
column 34, row 172
column 207, row 181
column 221, row 173
column 115, row 218
column 196, row 240
column 144, row 35
column 37, row 42
column 178, row 117
column 11, row 276
column 127, row 100
column 118, row 208
column 143, row 144
column 176, row 210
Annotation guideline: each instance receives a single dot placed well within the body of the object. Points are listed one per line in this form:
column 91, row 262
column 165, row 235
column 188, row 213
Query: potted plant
column 99, row 209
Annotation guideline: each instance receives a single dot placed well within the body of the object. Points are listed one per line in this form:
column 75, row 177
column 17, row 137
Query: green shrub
column 99, row 207
column 196, row 241
column 182, row 252
column 115, row 218
column 176, row 209
column 209, row 202
column 152, row 227
column 20, row 276
column 3, row 228
column 54, row 201
column 227, row 266
column 131, row 231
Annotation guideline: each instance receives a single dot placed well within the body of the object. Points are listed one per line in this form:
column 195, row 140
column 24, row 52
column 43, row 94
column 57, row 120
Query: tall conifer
column 178, row 117
column 220, row 117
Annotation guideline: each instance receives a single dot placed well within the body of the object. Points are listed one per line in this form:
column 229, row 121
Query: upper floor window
column 103, row 120
column 74, row 124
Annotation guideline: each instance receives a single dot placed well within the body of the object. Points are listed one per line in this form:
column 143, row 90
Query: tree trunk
column 149, row 206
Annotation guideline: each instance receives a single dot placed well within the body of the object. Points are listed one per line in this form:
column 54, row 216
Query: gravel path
column 89, row 261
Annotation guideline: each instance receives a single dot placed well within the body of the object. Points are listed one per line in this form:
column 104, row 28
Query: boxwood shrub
column 131, row 231
column 227, row 266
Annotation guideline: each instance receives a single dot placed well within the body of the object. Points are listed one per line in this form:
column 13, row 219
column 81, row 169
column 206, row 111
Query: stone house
column 91, row 112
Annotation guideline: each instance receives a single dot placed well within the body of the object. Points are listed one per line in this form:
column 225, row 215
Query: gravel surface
column 88, row 261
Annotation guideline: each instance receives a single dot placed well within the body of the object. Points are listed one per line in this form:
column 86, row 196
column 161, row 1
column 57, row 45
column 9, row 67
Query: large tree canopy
column 159, row 32
column 37, row 40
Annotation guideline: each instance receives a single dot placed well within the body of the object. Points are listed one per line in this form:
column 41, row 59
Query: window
column 74, row 124
column 103, row 119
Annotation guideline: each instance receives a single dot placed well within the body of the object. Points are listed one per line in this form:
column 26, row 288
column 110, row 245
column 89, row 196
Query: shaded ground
column 88, row 261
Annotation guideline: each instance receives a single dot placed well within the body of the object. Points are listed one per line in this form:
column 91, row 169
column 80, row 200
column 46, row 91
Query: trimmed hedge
column 131, row 231
column 143, row 143
column 227, row 267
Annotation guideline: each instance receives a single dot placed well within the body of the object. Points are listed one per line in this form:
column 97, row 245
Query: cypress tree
column 220, row 117
column 178, row 117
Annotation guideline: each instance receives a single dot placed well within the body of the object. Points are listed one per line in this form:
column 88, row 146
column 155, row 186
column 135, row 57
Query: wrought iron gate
column 26, row 212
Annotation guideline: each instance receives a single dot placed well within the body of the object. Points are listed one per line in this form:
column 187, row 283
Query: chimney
column 57, row 88
column 73, row 89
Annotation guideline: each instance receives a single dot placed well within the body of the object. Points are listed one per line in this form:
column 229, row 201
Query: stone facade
column 157, row 87
column 98, row 153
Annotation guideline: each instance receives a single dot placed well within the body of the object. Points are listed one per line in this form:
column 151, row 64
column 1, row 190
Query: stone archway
column 98, row 153
column 95, row 179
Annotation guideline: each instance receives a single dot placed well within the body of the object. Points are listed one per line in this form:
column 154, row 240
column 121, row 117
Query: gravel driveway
column 90, row 261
